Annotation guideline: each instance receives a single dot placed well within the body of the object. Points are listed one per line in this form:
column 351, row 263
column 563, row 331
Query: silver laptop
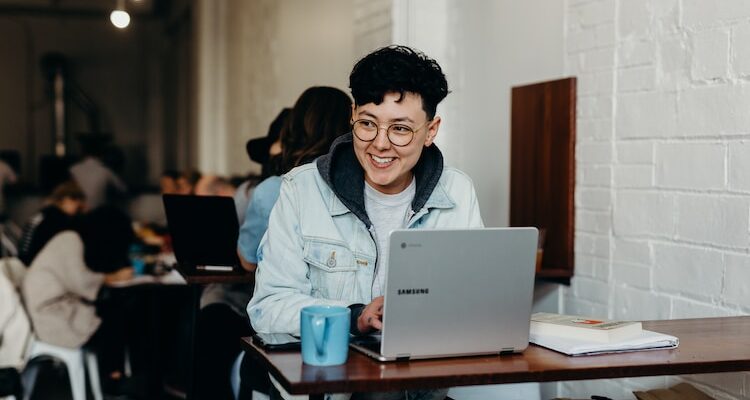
column 455, row 293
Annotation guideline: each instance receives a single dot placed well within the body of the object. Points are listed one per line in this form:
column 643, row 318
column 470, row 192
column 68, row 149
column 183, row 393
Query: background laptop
column 455, row 293
column 204, row 232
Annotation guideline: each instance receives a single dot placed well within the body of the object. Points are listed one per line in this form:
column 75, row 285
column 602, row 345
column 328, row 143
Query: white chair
column 26, row 347
column 77, row 362
column 236, row 379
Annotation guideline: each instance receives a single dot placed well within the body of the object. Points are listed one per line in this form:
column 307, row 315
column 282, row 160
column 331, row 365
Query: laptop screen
column 204, row 229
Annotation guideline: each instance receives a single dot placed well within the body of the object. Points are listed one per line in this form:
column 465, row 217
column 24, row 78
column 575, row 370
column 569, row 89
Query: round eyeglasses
column 398, row 134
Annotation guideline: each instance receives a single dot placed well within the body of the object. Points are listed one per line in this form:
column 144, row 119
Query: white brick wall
column 737, row 291
column 741, row 54
column 663, row 161
column 710, row 55
column 637, row 115
column 717, row 110
column 690, row 165
column 739, row 165
column 699, row 13
column 713, row 220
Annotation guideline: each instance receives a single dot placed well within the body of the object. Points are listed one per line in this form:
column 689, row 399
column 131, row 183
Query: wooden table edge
column 572, row 374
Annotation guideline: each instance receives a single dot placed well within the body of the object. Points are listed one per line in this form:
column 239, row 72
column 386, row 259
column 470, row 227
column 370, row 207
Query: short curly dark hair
column 398, row 69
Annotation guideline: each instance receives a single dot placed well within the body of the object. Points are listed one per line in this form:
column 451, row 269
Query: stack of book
column 579, row 336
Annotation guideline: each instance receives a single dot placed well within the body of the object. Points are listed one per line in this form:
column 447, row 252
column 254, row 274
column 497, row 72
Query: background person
column 260, row 150
column 212, row 185
column 65, row 288
column 187, row 180
column 168, row 181
column 93, row 176
column 319, row 116
column 66, row 202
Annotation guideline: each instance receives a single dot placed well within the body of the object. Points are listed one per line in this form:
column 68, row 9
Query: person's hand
column 247, row 265
column 372, row 316
column 122, row 274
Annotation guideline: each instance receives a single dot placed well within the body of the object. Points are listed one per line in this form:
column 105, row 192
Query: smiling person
column 327, row 239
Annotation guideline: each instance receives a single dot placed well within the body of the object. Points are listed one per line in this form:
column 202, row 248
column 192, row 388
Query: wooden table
column 202, row 277
column 707, row 345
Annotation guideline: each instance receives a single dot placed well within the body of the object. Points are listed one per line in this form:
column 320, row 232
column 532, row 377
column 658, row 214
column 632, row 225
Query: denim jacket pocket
column 332, row 267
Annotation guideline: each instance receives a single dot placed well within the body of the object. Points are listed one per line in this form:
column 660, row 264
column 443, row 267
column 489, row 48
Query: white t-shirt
column 387, row 213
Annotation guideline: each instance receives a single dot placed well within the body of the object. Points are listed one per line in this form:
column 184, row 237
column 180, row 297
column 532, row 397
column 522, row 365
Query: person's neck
column 391, row 191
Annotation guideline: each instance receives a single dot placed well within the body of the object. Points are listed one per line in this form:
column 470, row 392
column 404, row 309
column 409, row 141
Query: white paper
column 647, row 340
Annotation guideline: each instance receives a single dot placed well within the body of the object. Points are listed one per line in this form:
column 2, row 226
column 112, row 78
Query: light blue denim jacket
column 319, row 248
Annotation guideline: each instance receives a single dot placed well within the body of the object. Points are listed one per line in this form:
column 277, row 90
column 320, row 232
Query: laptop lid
column 458, row 292
column 204, row 230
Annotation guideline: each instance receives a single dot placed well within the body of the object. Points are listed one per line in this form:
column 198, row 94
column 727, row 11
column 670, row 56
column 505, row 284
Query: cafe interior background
column 662, row 148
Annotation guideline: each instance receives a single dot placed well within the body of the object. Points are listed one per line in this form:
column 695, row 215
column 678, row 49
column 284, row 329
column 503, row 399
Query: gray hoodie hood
column 345, row 176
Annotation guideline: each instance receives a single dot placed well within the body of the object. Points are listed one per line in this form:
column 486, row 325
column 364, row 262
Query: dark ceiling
column 82, row 8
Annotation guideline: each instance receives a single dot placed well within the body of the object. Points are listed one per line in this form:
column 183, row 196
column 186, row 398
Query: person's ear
column 432, row 131
column 354, row 109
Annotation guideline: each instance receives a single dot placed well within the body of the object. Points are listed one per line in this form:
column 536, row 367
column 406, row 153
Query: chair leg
column 260, row 396
column 92, row 366
column 235, row 377
column 127, row 368
column 77, row 376
column 74, row 361
column 28, row 379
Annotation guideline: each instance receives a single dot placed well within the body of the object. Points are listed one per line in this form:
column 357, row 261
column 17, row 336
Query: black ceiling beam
column 46, row 12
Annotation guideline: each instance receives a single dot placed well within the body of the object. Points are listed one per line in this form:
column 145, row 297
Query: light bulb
column 120, row 18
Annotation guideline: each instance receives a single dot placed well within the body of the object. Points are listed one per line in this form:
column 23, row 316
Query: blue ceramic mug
column 325, row 334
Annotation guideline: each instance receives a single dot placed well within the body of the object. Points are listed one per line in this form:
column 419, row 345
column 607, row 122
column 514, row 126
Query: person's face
column 168, row 185
column 71, row 206
column 184, row 186
column 275, row 148
column 388, row 168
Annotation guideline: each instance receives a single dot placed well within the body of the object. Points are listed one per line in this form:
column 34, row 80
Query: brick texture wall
column 663, row 161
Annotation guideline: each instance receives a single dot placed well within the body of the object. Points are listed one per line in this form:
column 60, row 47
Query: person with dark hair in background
column 65, row 289
column 187, row 180
column 66, row 202
column 260, row 150
column 387, row 174
column 319, row 116
column 168, row 181
column 212, row 185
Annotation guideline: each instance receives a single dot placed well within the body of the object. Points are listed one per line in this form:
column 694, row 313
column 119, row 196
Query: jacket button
column 332, row 260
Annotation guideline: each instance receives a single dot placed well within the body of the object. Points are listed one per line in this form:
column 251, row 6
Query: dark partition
column 542, row 175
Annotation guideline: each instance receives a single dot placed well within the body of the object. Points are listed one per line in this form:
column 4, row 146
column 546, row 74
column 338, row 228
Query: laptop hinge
column 507, row 350
column 403, row 357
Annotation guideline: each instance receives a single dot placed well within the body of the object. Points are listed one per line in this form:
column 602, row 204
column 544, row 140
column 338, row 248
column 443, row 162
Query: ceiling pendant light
column 119, row 17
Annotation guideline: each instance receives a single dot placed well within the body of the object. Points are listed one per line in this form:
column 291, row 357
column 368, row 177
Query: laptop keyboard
column 369, row 342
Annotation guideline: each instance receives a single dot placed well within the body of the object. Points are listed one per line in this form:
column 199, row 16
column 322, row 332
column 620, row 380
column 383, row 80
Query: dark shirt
column 40, row 229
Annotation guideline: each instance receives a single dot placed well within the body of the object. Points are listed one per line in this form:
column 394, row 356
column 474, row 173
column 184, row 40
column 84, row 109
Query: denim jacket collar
column 344, row 175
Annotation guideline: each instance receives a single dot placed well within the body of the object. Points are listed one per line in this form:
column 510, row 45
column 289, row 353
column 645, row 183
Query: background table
column 706, row 345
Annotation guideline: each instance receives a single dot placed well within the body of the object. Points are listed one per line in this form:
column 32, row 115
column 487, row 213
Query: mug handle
column 320, row 333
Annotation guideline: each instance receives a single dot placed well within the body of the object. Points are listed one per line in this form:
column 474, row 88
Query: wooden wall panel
column 543, row 168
